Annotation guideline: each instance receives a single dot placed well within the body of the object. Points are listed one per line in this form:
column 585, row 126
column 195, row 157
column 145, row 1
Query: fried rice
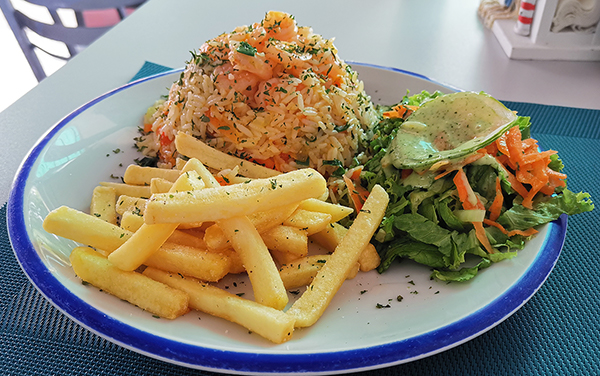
column 274, row 92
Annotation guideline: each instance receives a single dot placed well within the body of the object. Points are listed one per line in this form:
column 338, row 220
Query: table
column 442, row 40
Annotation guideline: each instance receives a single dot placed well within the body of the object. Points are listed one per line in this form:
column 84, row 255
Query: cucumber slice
column 448, row 127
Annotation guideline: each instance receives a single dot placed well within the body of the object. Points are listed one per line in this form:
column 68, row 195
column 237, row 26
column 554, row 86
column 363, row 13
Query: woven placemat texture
column 555, row 333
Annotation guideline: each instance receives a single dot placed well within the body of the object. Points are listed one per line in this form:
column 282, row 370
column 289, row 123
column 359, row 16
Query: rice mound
column 273, row 92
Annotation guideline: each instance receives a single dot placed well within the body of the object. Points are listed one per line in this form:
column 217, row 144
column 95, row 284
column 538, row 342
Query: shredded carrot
column 514, row 183
column 528, row 232
column 530, row 166
column 468, row 160
column 441, row 175
column 473, row 157
column 401, row 111
column 489, row 222
column 221, row 180
column 514, row 144
column 354, row 173
column 529, row 144
column 492, row 149
column 466, row 197
column 534, row 157
column 501, row 145
column 482, row 237
column 269, row 163
column 357, row 193
column 391, row 114
column 147, row 127
column 496, row 207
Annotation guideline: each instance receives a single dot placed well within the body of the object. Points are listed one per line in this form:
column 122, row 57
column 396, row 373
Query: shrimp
column 281, row 26
column 288, row 59
column 256, row 64
column 243, row 82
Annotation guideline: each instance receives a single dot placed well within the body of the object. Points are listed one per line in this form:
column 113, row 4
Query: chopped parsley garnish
column 146, row 161
column 341, row 128
column 246, row 49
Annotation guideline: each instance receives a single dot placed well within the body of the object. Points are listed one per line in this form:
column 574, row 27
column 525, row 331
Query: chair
column 91, row 20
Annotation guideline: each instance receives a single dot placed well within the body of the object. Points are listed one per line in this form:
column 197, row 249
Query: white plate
column 95, row 141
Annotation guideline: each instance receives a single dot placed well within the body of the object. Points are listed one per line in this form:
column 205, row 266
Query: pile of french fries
column 163, row 238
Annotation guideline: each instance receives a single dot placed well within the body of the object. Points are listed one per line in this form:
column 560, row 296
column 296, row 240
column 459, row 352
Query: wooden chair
column 93, row 18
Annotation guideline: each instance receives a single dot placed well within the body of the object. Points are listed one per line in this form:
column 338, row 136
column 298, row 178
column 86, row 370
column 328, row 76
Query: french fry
column 159, row 185
column 146, row 293
column 146, row 240
column 128, row 189
column 266, row 220
column 336, row 211
column 284, row 257
column 262, row 271
column 186, row 238
column 85, row 229
column 215, row 239
column 302, row 271
column 324, row 196
column 180, row 163
column 239, row 180
column 369, row 258
column 310, row 221
column 313, row 302
column 287, row 239
column 103, row 204
column 207, row 177
column 138, row 175
column 263, row 221
column 213, row 204
column 136, row 205
column 192, row 147
column 191, row 225
column 330, row 238
column 190, row 261
column 236, row 266
column 193, row 181
column 267, row 322
column 131, row 222
column 251, row 250
column 141, row 245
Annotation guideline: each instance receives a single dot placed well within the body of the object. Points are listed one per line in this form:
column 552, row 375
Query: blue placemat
column 555, row 333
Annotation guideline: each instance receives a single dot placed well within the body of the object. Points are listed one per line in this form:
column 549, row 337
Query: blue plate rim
column 216, row 360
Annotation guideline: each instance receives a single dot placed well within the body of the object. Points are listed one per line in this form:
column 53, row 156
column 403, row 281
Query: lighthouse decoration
column 526, row 11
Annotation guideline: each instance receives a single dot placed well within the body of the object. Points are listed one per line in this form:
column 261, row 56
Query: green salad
column 468, row 185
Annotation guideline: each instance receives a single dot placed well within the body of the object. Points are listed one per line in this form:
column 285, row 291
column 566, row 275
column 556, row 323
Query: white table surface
column 443, row 40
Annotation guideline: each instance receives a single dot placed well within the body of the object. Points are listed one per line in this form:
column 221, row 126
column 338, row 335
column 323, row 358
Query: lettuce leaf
column 461, row 275
column 521, row 218
column 420, row 223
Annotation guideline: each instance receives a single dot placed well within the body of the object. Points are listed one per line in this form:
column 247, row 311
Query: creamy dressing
column 448, row 127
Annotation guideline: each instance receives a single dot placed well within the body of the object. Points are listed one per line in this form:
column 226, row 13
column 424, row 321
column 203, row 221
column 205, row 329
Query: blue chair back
column 24, row 26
